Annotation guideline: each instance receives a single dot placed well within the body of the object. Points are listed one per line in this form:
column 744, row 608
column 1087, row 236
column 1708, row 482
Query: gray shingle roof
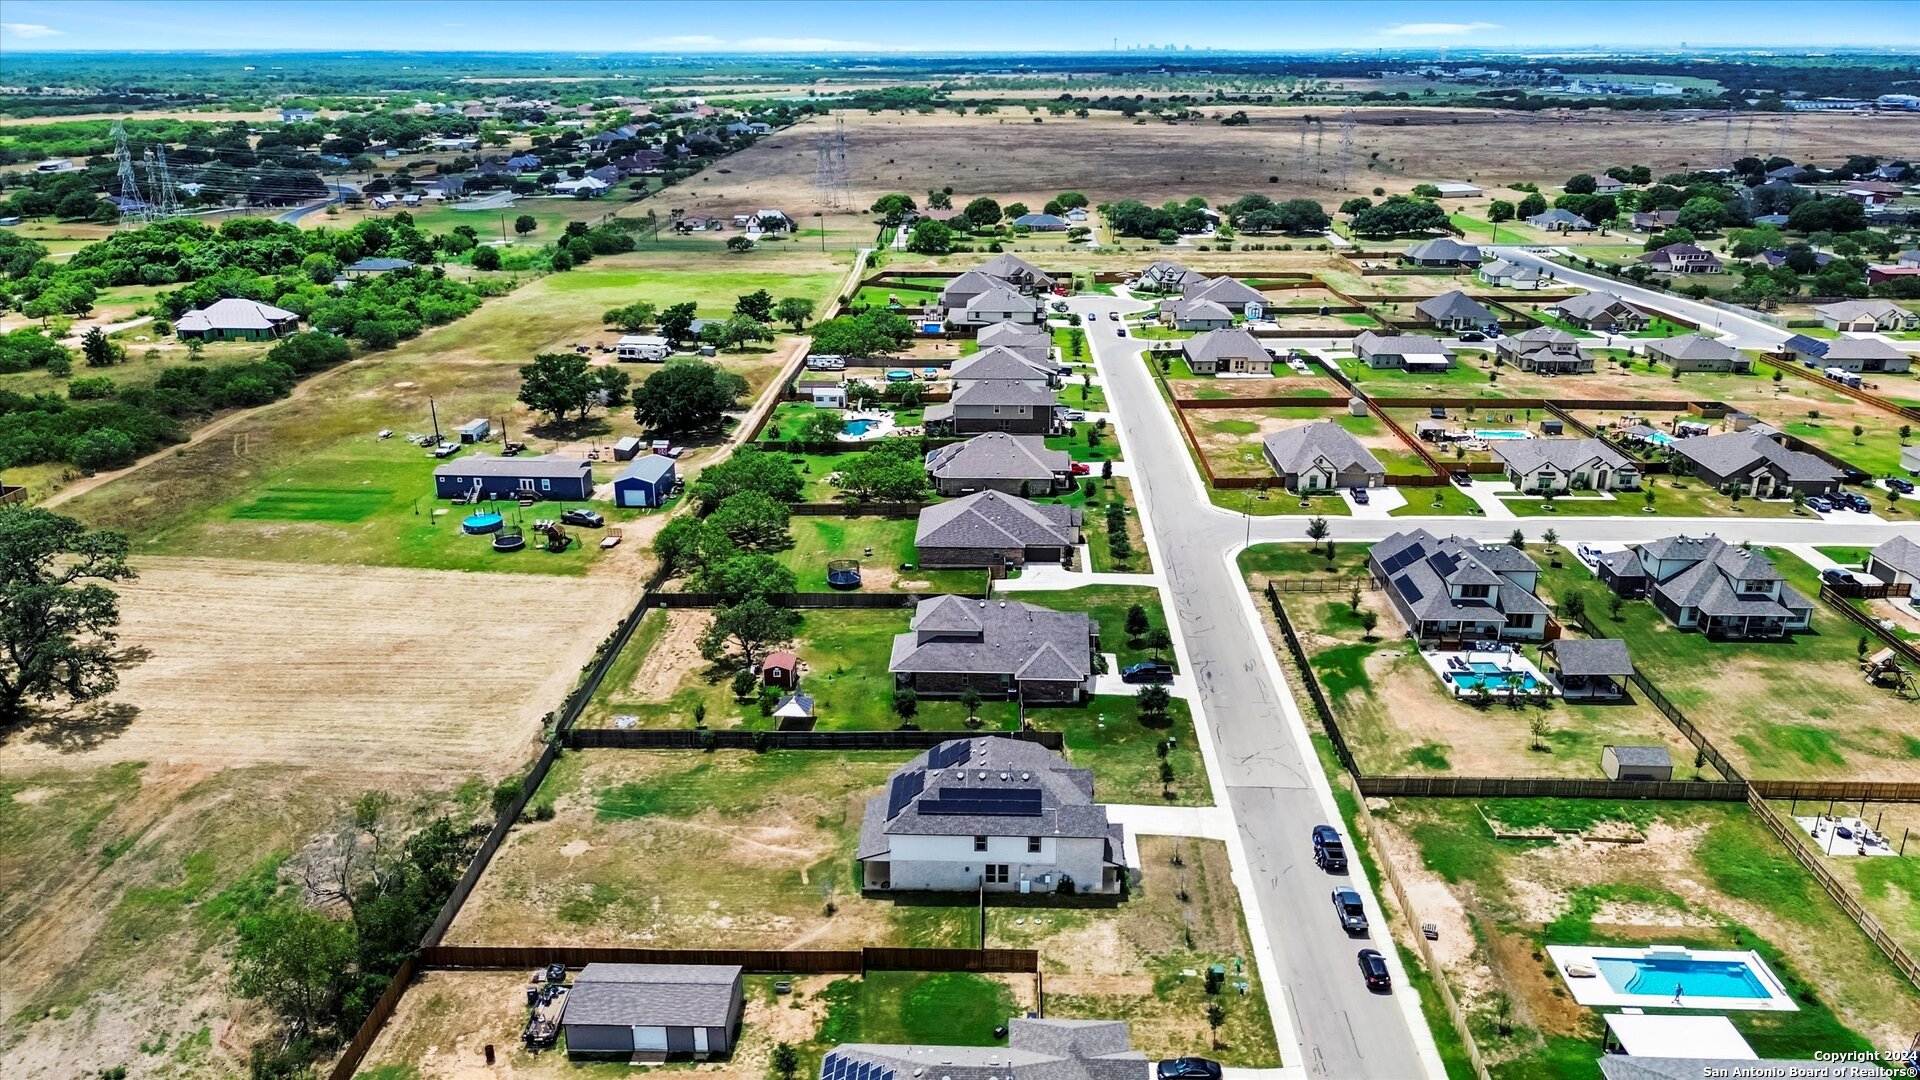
column 999, row 637
column 1013, row 267
column 1184, row 310
column 1590, row 305
column 1602, row 656
column 1862, row 349
column 1501, row 269
column 652, row 995
column 1693, row 347
column 1848, row 310
column 1297, row 448
column 998, row 455
column 1444, row 248
column 1401, row 344
column 1227, row 342
column 1007, row 393
column 970, row 284
column 1706, row 584
column 1035, row 1050
column 991, row 519
column 1559, row 216
column 1064, row 805
column 1900, row 553
column 1526, row 455
column 1451, row 306
column 1423, row 566
column 233, row 313
column 1736, row 452
column 1222, row 290
column 1009, row 333
column 1002, row 298
column 999, row 362
column 1639, row 755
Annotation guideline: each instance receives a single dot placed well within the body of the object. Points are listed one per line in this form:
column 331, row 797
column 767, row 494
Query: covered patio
column 1589, row 670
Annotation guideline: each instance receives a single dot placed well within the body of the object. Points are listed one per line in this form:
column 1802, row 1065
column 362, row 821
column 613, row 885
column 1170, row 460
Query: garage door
column 649, row 1038
column 633, row 496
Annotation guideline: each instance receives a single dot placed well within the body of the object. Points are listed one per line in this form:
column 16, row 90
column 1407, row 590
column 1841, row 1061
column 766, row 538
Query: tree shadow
column 78, row 728
column 597, row 426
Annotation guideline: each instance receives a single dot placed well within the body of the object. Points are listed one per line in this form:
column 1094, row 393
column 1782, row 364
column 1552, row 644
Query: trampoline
column 485, row 522
column 843, row 573
column 511, row 540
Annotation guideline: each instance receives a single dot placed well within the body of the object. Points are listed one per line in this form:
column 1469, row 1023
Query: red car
column 1081, row 468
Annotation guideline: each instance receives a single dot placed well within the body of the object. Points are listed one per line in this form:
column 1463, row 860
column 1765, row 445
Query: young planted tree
column 1159, row 640
column 1317, row 529
column 1153, row 700
column 1137, row 623
column 906, row 705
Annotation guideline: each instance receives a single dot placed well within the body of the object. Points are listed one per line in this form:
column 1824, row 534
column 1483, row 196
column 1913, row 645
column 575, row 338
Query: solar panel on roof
column 1408, row 589
column 947, row 755
column 832, row 1066
column 1444, row 563
column 988, row 802
column 903, row 790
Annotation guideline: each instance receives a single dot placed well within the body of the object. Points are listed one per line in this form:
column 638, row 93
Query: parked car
column 1904, row 487
column 1076, row 415
column 1122, row 331
column 1147, row 671
column 1833, row 575
column 1346, row 907
column 1063, row 370
column 1113, row 316
column 1359, row 495
column 1472, row 335
column 1462, row 477
column 1081, row 468
column 1818, row 505
column 1373, row 968
column 1492, row 332
column 1329, row 852
column 586, row 519
column 1858, row 502
column 1188, row 1068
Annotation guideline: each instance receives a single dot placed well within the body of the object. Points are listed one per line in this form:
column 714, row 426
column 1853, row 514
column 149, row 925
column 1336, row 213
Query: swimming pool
column 1493, row 677
column 1501, row 433
column 1660, row 438
column 859, row 428
column 1664, row 976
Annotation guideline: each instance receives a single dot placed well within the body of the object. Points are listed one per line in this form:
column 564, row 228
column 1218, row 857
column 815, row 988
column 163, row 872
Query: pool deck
column 1595, row 991
column 1508, row 661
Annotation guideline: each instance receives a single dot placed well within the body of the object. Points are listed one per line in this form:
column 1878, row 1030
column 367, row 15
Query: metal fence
column 1860, row 618
column 1522, row 787
column 1311, row 682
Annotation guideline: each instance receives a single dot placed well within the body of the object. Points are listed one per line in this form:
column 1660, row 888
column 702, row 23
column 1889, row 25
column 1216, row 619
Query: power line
column 129, row 187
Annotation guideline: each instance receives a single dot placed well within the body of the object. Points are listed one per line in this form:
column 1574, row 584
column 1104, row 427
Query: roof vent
column 1003, row 776
column 1026, row 776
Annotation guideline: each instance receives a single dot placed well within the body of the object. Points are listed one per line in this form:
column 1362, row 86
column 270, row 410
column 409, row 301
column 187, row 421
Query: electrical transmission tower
column 841, row 184
column 163, row 201
column 830, row 166
column 1319, row 149
column 1300, row 162
column 1346, row 147
column 1726, row 140
column 1746, row 143
column 1782, row 136
column 131, row 202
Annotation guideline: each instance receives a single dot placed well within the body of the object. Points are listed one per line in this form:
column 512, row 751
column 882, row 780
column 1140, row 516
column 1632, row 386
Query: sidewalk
column 1199, row 822
column 1049, row 577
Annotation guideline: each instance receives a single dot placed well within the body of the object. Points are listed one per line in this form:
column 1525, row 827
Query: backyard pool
column 1669, row 977
column 1501, row 433
column 1659, row 438
column 1493, row 677
column 1684, row 976
column 859, row 428
column 482, row 522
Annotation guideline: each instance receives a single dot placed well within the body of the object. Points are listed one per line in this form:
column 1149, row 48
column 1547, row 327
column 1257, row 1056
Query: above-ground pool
column 1663, row 976
column 1501, row 433
column 859, row 428
column 899, row 375
column 481, row 523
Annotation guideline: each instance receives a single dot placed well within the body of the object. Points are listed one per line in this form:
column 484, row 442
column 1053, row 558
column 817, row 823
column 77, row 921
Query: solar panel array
column 988, row 802
column 904, row 789
column 841, row 1067
column 1411, row 553
column 1408, row 589
column 949, row 754
column 1445, row 564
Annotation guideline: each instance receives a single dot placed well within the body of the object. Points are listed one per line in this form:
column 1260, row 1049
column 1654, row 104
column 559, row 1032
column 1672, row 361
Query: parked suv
column 586, row 519
column 1188, row 1068
column 1346, row 906
column 1373, row 968
column 1147, row 671
column 1329, row 853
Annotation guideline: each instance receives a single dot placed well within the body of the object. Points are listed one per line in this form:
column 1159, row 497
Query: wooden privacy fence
column 1520, row 787
column 1851, row 791
column 1858, row 590
column 362, row 1041
column 737, row 739
column 755, row 961
column 12, row 494
column 1859, row 394
column 1203, row 404
column 805, row 600
column 1860, row 618
column 857, row 509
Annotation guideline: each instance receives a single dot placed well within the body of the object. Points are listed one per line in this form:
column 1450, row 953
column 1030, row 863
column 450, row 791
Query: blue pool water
column 859, row 428
column 1660, row 438
column 899, row 375
column 1660, row 976
column 1501, row 433
column 1493, row 677
column 478, row 523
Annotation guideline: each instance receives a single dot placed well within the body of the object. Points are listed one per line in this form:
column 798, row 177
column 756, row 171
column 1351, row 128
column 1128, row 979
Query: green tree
column 891, row 472
column 686, row 396
column 100, row 350
column 631, row 318
column 822, row 428
column 1533, row 203
column 525, row 224
column 870, row 333
column 970, row 701
column 982, row 212
column 1153, row 700
column 930, row 237
column 794, row 311
column 1317, row 529
column 906, row 705
column 739, row 243
column 486, row 258
column 58, row 618
column 737, row 576
column 1216, row 1018
column 1581, row 184
column 557, row 384
column 756, row 305
column 1500, row 210
column 1517, row 540
column 297, row 962
column 1159, row 640
column 752, row 521
column 786, row 1060
column 676, row 322
column 1368, row 620
column 893, row 209
column 1137, row 622
column 748, row 469
column 752, row 627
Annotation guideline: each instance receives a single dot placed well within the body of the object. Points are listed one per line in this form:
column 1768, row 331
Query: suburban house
column 1682, row 259
column 1000, row 362
column 1454, row 311
column 1756, row 464
column 960, row 291
column 1704, row 583
column 1608, row 185
column 995, row 530
column 1002, row 303
column 1230, row 293
column 633, row 347
column 1002, row 648
column 657, row 1010
column 1165, row 277
column 1652, row 221
column 1588, row 670
column 1600, row 311
column 1002, row 814
column 1458, row 590
column 1560, row 220
column 1444, row 251
column 484, row 476
column 1511, row 275
column 373, row 265
column 1865, row 316
column 1015, row 335
column 1777, row 258
column 1545, row 349
column 1653, row 763
column 1017, row 272
column 997, row 461
column 1896, row 562
column 1407, row 352
column 1699, row 352
column 1865, row 355
column 1037, row 1049
column 646, row 482
column 590, row 187
column 981, row 405
column 1231, row 351
column 1560, row 465
column 1321, row 456
column 234, row 319
column 1041, row 223
column 1195, row 315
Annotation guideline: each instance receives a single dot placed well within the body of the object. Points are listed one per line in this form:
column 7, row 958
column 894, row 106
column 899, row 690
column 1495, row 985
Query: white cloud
column 1436, row 29
column 29, row 30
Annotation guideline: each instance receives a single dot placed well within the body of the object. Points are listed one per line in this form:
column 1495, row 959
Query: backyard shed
column 627, row 447
column 620, row 1010
column 488, row 477
column 474, row 431
column 781, row 669
column 1636, row 763
column 646, row 482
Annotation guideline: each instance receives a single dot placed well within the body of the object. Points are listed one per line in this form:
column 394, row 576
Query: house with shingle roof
column 1561, row 465
column 1001, row 303
column 1234, row 351
column 1001, row 362
column 1230, row 293
column 1865, row 355
column 620, row 1010
column 234, row 319
column 1704, row 583
column 1001, row 648
column 1896, row 562
column 1588, row 669
column 1321, row 456
column 1186, row 314
column 1545, row 349
column 1017, row 272
column 1001, row 814
column 1682, row 258
column 1444, row 251
column 1034, row 343
column 998, row 461
column 1165, row 277
column 1560, row 220
column 1041, row 222
column 995, row 530
column 1602, row 311
column 1456, row 589
column 1699, row 352
column 1411, row 352
column 1454, row 311
column 1512, row 275
column 1651, row 221
column 1865, row 316
column 1035, row 1050
column 981, row 405
column 1755, row 464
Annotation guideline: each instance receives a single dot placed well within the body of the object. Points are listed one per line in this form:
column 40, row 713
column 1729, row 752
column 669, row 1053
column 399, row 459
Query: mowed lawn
column 882, row 546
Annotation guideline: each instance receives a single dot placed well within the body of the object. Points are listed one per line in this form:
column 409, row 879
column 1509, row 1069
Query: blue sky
column 972, row 25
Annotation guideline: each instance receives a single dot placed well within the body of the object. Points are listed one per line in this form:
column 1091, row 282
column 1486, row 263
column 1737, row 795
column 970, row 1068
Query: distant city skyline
column 851, row 26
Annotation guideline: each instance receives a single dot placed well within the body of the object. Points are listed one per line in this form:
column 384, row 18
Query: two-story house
column 1000, row 814
column 1002, row 362
column 1600, row 311
column 980, row 405
column 1682, row 259
column 1000, row 648
column 1704, row 583
column 1456, row 589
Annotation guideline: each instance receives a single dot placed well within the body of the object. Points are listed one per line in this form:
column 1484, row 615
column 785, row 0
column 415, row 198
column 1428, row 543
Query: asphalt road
column 1275, row 791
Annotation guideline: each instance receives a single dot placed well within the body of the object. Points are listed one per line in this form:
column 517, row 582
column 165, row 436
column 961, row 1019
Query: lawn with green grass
column 1278, row 502
column 881, row 544
column 1089, row 441
column 1077, row 394
column 1674, row 497
column 1447, row 501
column 1846, row 556
column 1111, row 736
column 1108, row 605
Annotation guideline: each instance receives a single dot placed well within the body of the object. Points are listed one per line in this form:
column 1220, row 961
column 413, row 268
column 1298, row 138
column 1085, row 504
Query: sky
column 843, row 26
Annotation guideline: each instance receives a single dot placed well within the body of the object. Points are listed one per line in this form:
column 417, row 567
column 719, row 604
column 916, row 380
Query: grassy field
column 881, row 544
column 1107, row 605
column 1701, row 875
column 1793, row 708
column 1099, row 541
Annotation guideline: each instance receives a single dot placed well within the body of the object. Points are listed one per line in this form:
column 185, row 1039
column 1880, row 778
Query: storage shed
column 657, row 1010
column 626, row 448
column 474, row 431
column 1636, row 763
column 490, row 477
column 646, row 482
column 781, row 669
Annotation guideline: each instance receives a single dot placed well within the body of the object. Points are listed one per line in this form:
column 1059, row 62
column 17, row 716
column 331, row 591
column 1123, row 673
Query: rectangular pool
column 1493, row 677
column 1669, row 977
column 1665, row 977
column 1501, row 433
